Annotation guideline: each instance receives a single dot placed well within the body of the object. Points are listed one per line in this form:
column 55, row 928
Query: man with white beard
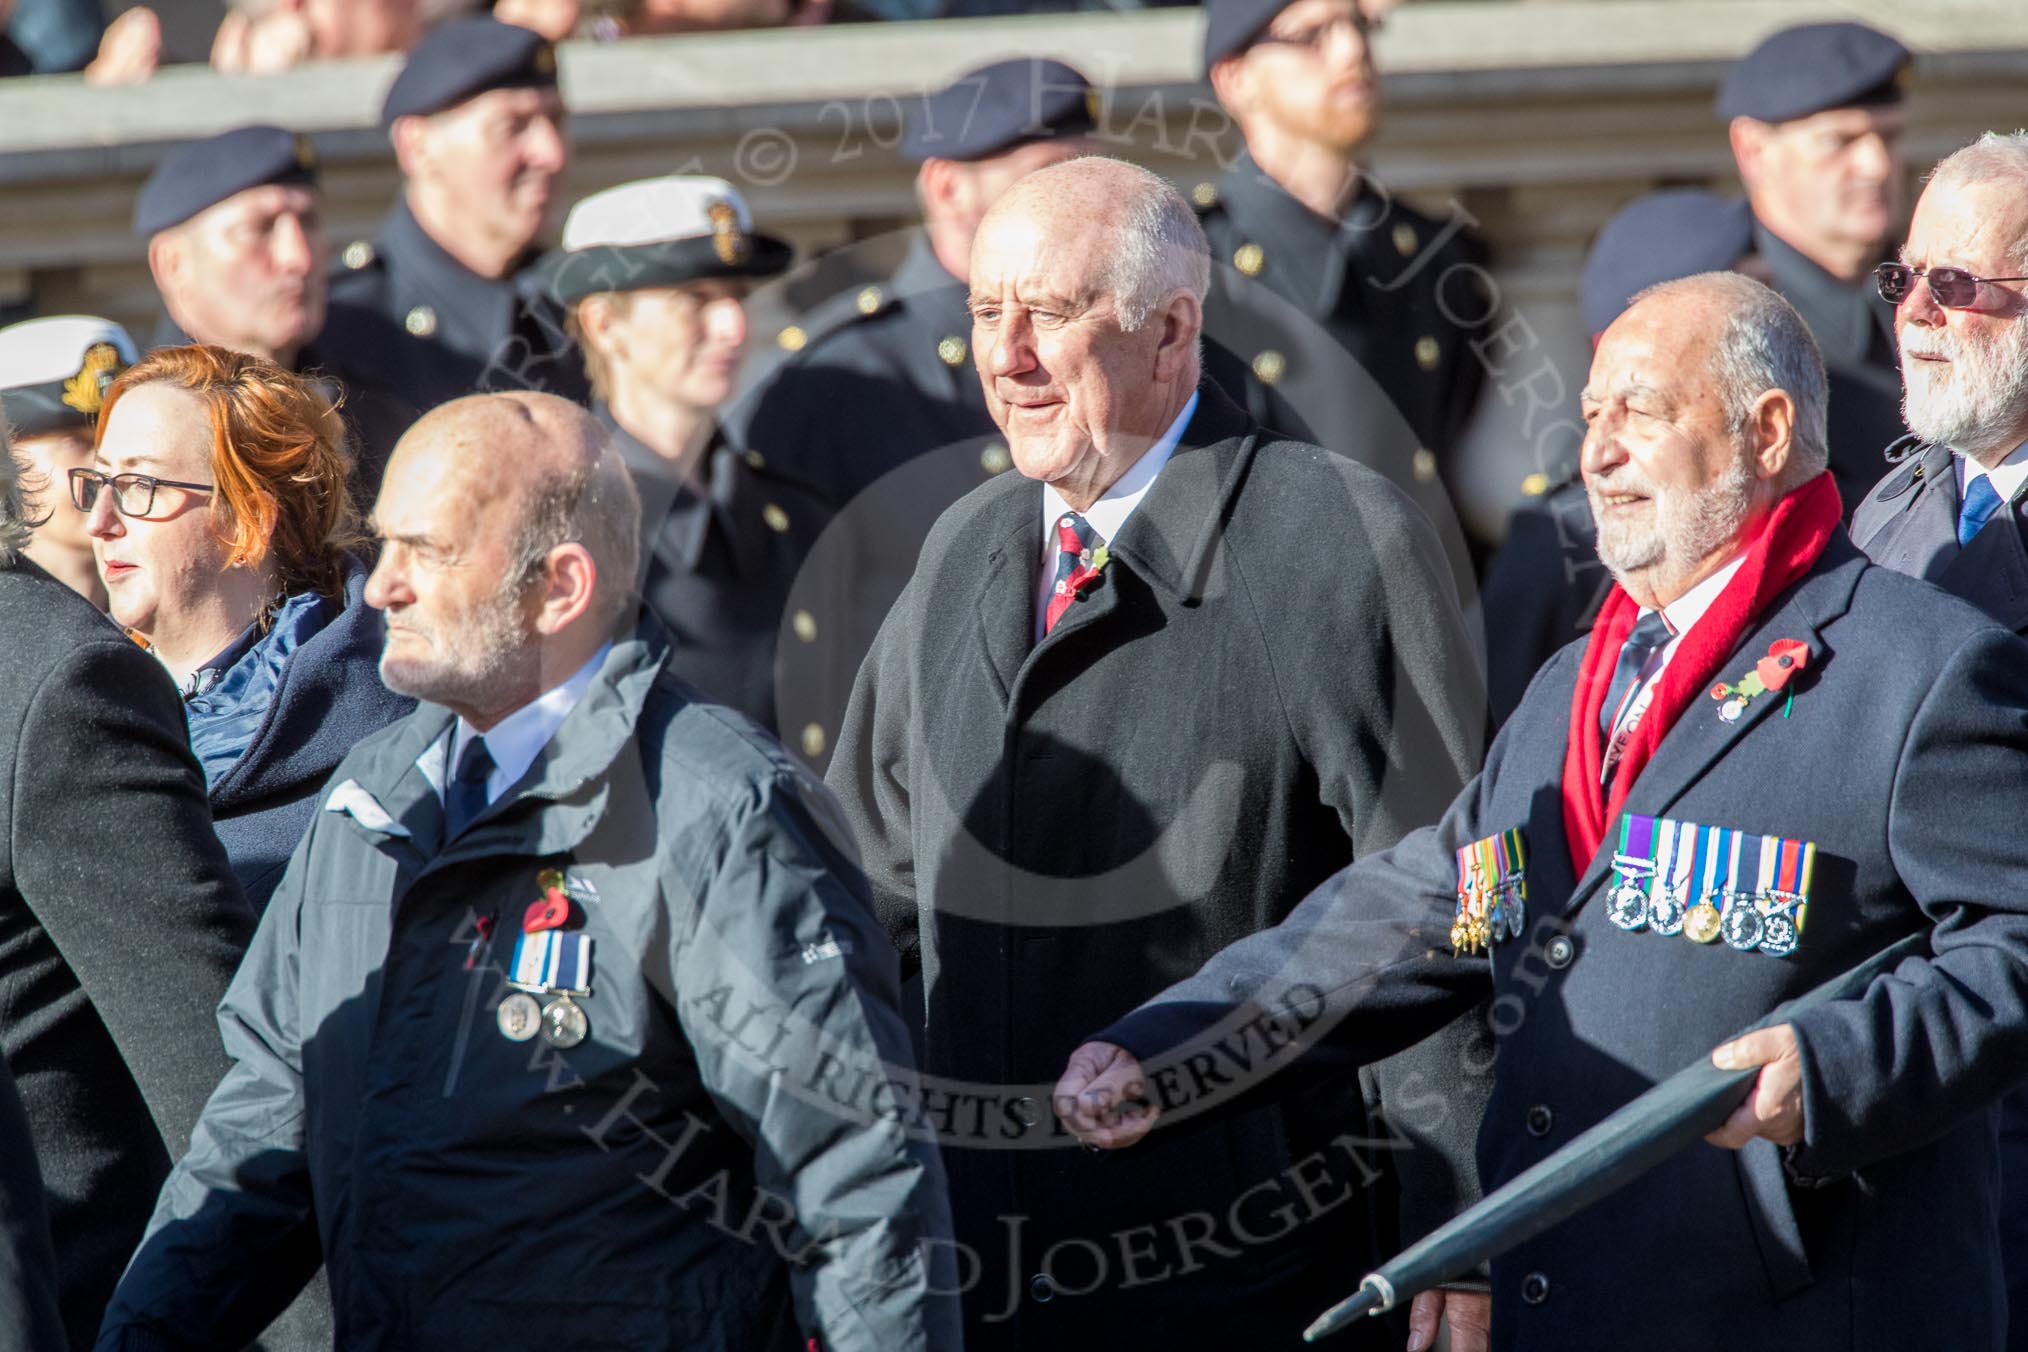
column 1951, row 511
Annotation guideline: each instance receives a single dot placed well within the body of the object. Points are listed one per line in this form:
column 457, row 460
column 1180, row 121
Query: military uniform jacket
column 639, row 1189
column 1854, row 329
column 717, row 569
column 879, row 376
column 1270, row 676
column 416, row 319
column 1910, row 523
column 1901, row 759
column 1353, row 334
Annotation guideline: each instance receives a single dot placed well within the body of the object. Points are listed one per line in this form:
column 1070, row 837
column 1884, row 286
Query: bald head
column 511, row 534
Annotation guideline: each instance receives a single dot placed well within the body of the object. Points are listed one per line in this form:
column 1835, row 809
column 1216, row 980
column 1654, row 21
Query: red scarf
column 1794, row 535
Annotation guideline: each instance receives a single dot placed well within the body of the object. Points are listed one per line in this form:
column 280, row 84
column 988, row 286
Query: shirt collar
column 1689, row 608
column 1111, row 511
column 516, row 740
column 2007, row 476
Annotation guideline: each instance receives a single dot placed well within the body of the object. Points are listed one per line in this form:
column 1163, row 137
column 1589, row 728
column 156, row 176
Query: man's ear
column 1181, row 319
column 165, row 258
column 1232, row 83
column 410, row 138
column 1771, row 430
column 569, row 583
column 937, row 182
column 595, row 322
column 1749, row 136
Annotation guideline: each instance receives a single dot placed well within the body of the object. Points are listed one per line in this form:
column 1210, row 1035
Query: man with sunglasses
column 1338, row 314
column 1815, row 120
column 1951, row 510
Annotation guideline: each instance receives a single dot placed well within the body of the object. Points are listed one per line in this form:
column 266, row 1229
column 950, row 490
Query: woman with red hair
column 219, row 519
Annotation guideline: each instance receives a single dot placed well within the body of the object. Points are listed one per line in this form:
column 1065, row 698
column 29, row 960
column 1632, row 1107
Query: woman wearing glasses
column 219, row 518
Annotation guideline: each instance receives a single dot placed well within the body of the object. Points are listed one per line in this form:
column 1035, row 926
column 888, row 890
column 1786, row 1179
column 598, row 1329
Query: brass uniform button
column 358, row 254
column 805, row 625
column 1405, row 240
column 1205, row 194
column 995, row 460
column 951, row 349
column 869, row 299
column 1249, row 258
column 421, row 321
column 813, row 740
column 1269, row 366
column 1428, row 353
column 791, row 339
column 1535, row 485
column 1424, row 464
column 777, row 519
column 754, row 459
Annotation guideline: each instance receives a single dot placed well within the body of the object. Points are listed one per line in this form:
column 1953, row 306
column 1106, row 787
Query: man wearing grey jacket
column 541, row 1039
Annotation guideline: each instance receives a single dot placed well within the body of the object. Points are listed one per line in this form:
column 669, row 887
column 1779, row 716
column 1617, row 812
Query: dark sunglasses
column 1954, row 288
column 133, row 494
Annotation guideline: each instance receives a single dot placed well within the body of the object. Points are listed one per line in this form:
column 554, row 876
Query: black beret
column 1818, row 66
column 54, row 372
column 464, row 58
column 1659, row 238
column 1231, row 25
column 204, row 173
column 658, row 232
column 998, row 107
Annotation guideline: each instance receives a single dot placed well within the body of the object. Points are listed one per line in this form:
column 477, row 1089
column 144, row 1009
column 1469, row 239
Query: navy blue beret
column 465, row 58
column 1818, row 66
column 1231, row 25
column 1660, row 238
column 204, row 173
column 997, row 107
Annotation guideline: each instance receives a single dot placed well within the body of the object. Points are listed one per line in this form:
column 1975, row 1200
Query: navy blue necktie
column 465, row 795
column 1649, row 633
column 1981, row 501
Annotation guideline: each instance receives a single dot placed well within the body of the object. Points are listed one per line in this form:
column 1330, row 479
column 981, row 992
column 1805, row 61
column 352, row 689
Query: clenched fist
column 1102, row 1097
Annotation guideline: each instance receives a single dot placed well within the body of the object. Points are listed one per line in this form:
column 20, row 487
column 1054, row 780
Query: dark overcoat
column 1271, row 676
column 1902, row 758
column 120, row 924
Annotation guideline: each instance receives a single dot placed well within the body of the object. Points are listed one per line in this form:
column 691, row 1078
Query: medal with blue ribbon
column 1492, row 892
column 1668, row 899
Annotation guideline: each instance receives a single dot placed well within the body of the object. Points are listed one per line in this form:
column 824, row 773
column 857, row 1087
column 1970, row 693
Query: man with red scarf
column 1768, row 761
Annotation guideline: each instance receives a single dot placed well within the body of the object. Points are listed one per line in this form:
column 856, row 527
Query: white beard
column 1978, row 399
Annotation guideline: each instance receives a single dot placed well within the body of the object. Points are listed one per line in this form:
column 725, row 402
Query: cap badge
column 86, row 390
column 306, row 154
column 728, row 241
column 543, row 60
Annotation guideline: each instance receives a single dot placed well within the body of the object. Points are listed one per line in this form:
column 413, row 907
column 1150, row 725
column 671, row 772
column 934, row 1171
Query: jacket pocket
column 1764, row 1189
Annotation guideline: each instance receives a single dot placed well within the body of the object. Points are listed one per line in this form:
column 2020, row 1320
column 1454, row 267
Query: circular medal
column 1743, row 925
column 1779, row 936
column 1701, row 924
column 1732, row 709
column 564, row 1023
column 518, row 1016
column 1628, row 906
column 1665, row 912
column 1517, row 916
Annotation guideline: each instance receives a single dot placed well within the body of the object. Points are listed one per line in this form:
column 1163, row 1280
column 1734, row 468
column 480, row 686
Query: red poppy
column 1785, row 657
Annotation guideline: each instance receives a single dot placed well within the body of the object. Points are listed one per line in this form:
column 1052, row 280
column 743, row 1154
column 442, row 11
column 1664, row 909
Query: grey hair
column 1159, row 249
column 1995, row 157
column 596, row 505
column 1764, row 345
column 15, row 527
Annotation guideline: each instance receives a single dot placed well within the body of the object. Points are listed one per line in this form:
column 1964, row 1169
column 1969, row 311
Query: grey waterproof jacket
column 691, row 1175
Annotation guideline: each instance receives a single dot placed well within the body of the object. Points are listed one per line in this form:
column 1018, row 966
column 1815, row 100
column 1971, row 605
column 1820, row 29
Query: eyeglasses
column 133, row 494
column 1314, row 38
column 1953, row 288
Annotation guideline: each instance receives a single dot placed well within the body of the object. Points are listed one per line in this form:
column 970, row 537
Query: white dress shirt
column 2007, row 476
column 1110, row 512
column 516, row 740
column 1679, row 615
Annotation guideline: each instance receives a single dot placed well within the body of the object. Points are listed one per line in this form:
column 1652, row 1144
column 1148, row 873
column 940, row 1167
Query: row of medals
column 561, row 1022
column 1503, row 917
column 1747, row 923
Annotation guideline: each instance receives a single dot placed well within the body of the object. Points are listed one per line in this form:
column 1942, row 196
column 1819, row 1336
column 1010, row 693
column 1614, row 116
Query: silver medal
column 1517, row 915
column 1731, row 710
column 1666, row 912
column 519, row 1017
column 1779, row 936
column 1743, row 925
column 1628, row 906
column 563, row 1023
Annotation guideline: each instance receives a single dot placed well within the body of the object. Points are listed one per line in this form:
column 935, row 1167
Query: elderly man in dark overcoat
column 1137, row 699
column 1769, row 761
column 120, row 920
column 1951, row 510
